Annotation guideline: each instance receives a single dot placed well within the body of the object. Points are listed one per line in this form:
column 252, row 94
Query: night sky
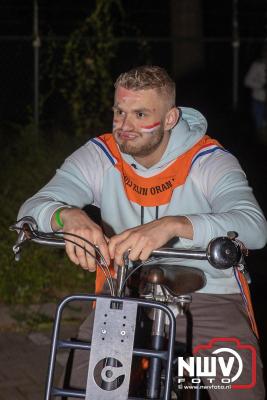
column 153, row 17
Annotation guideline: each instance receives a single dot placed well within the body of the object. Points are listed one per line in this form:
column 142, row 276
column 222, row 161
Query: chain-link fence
column 17, row 93
column 29, row 81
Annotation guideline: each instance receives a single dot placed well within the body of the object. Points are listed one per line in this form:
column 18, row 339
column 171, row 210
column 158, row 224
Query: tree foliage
column 87, row 65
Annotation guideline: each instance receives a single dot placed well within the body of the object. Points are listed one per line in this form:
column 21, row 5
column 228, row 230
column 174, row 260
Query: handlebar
column 222, row 252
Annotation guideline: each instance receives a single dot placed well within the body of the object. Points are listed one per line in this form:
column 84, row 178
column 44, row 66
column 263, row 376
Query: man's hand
column 143, row 239
column 76, row 221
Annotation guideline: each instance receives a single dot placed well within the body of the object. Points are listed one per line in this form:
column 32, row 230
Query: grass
column 43, row 274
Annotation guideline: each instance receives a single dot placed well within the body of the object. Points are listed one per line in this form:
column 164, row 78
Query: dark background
column 208, row 60
column 205, row 83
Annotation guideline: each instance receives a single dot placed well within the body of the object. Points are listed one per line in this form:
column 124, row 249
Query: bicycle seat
column 178, row 280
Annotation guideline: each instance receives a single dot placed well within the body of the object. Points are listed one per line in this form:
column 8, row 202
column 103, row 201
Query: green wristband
column 58, row 219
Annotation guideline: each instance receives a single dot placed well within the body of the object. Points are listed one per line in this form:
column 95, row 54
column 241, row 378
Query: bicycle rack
column 112, row 343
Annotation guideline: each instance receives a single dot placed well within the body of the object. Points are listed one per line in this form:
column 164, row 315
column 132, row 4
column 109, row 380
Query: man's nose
column 126, row 123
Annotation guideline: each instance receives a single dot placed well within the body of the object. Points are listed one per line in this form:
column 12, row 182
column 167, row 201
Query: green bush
column 87, row 82
column 28, row 162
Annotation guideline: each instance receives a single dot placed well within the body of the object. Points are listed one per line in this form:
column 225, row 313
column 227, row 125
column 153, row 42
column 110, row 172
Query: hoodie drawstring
column 157, row 212
column 142, row 214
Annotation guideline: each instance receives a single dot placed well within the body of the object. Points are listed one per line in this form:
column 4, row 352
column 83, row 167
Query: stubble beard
column 146, row 149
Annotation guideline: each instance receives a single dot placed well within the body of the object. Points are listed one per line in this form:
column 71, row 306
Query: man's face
column 138, row 123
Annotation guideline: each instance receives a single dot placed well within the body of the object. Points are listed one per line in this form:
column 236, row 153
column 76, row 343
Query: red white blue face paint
column 149, row 128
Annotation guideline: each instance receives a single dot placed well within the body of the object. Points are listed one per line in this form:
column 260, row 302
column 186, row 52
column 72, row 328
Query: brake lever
column 244, row 253
column 25, row 228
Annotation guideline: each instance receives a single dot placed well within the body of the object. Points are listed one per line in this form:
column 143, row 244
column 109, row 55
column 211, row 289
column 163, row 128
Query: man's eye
column 140, row 114
column 118, row 112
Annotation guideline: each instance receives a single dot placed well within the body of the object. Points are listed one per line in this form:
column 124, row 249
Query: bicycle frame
column 93, row 390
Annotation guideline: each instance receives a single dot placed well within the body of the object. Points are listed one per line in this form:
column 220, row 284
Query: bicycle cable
column 103, row 265
column 98, row 252
column 147, row 262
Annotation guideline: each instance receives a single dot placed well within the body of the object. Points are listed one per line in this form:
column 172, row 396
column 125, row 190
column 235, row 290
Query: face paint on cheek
column 149, row 128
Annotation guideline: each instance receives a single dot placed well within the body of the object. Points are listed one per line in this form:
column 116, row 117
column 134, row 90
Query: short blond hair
column 148, row 77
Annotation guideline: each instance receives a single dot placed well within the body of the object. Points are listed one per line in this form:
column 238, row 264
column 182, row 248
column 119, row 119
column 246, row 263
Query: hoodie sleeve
column 77, row 174
column 233, row 205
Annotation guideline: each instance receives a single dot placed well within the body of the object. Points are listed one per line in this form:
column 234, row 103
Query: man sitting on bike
column 158, row 177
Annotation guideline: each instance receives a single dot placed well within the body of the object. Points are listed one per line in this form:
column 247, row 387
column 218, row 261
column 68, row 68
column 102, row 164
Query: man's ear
column 171, row 118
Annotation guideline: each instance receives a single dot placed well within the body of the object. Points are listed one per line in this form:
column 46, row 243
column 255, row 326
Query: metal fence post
column 36, row 45
column 235, row 46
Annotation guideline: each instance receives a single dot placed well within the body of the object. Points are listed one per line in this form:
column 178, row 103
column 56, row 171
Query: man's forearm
column 181, row 227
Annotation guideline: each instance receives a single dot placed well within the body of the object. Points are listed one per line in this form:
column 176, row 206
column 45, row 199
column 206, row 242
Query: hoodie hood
column 190, row 128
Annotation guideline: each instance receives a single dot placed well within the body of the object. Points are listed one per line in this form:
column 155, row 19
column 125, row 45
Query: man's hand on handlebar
column 143, row 239
column 222, row 252
column 77, row 222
